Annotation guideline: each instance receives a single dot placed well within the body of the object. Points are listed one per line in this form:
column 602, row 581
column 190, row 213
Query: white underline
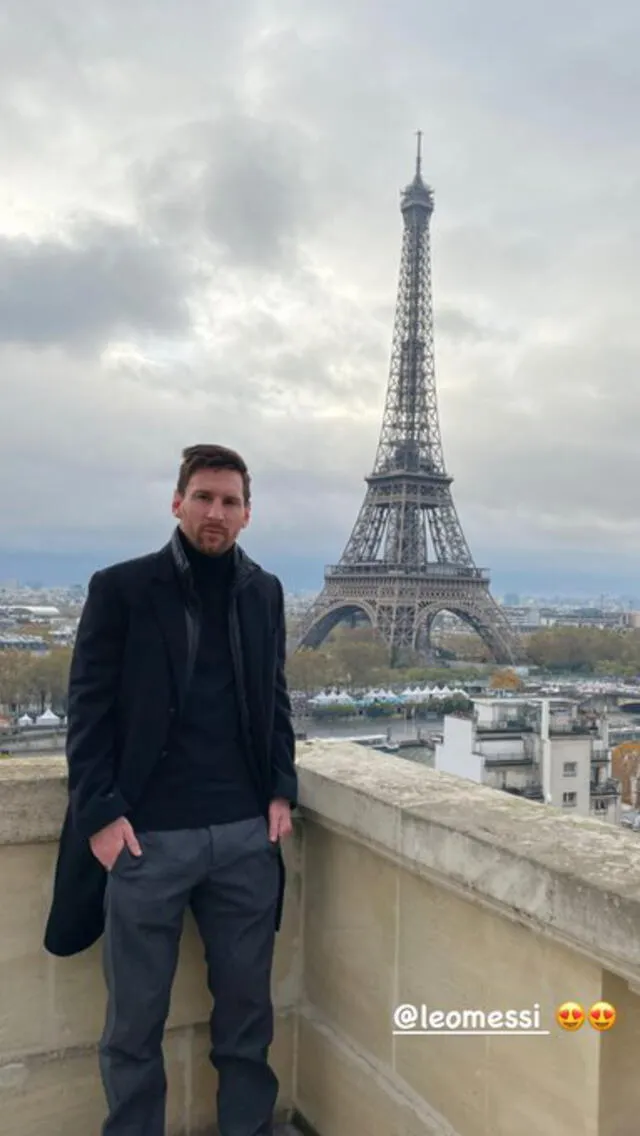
column 472, row 1033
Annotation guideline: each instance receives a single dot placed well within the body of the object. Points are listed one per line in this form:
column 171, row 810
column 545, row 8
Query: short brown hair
column 199, row 457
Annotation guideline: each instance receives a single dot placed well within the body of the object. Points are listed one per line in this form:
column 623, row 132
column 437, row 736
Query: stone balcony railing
column 405, row 886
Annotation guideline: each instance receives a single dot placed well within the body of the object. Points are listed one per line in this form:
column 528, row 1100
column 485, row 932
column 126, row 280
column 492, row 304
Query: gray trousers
column 228, row 875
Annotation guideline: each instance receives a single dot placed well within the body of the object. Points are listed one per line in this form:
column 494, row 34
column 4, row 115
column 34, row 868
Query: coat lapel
column 175, row 604
column 176, row 608
column 170, row 612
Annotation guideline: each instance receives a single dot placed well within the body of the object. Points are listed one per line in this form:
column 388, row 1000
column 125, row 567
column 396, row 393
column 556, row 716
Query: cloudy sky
column 199, row 241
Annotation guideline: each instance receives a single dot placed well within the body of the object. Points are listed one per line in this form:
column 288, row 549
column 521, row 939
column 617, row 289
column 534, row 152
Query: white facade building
column 540, row 748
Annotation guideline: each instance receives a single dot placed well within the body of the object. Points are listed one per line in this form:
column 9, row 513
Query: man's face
column 212, row 511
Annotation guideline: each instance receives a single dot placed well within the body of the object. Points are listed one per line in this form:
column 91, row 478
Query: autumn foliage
column 625, row 764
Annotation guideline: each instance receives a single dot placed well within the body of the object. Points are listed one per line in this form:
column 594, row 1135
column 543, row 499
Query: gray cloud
column 461, row 328
column 238, row 182
column 241, row 166
column 104, row 281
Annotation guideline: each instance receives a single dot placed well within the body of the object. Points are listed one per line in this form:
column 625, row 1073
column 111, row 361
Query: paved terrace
column 405, row 886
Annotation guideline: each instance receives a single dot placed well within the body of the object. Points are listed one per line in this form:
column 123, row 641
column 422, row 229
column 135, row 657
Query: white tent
column 334, row 698
column 48, row 718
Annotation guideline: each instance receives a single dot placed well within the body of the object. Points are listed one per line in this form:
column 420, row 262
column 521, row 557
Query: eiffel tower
column 388, row 574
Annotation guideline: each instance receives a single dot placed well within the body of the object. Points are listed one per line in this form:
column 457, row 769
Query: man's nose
column 215, row 511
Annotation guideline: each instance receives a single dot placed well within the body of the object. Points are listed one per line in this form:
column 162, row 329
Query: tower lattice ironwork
column 389, row 572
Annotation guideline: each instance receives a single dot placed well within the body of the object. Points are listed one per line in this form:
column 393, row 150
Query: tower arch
column 328, row 618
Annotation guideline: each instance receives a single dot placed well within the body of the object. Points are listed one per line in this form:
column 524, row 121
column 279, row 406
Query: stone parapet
column 576, row 880
column 405, row 886
column 425, row 890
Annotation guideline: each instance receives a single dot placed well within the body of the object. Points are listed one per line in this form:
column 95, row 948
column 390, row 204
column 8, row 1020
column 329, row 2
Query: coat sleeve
column 284, row 779
column 94, row 680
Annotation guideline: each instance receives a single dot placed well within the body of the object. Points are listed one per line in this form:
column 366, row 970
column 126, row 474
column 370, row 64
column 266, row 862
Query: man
column 181, row 782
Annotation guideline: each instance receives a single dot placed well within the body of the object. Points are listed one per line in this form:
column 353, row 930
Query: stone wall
column 405, row 886
column 422, row 888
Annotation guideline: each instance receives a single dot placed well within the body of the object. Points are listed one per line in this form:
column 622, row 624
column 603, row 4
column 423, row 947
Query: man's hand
column 107, row 844
column 279, row 820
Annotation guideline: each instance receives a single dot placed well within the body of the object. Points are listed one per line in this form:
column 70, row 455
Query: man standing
column 181, row 782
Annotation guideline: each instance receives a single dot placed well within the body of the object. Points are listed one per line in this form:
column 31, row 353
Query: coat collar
column 172, row 560
column 175, row 607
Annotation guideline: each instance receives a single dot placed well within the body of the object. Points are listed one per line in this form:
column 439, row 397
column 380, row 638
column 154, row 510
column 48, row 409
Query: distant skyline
column 200, row 238
column 302, row 574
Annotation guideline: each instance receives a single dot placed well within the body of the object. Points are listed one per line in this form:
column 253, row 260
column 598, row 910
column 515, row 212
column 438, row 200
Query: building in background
column 545, row 749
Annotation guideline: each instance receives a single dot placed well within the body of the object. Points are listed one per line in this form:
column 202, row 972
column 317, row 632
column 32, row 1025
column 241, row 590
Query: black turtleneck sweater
column 203, row 779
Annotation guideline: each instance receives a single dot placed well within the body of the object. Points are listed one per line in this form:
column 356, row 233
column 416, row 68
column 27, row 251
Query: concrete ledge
column 575, row 880
column 33, row 798
column 404, row 884
column 572, row 879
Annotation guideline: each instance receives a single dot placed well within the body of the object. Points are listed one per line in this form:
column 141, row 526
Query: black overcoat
column 135, row 649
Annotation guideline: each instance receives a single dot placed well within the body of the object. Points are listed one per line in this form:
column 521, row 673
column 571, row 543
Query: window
column 569, row 769
column 569, row 800
column 600, row 806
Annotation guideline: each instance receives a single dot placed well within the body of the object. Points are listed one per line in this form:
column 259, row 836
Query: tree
column 359, row 656
column 505, row 680
column 465, row 646
column 625, row 765
column 308, row 670
column 14, row 678
column 49, row 678
column 27, row 679
column 585, row 649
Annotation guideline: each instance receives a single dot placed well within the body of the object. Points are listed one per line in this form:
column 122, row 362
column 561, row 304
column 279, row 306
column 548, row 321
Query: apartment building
column 546, row 749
